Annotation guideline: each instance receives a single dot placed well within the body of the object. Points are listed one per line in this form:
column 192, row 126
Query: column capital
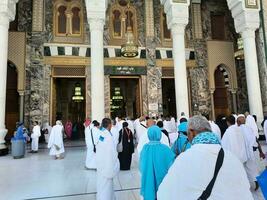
column 21, row 93
column 233, row 91
column 7, row 12
column 178, row 29
column 177, row 13
column 96, row 24
column 244, row 18
column 248, row 33
column 96, row 13
column 212, row 90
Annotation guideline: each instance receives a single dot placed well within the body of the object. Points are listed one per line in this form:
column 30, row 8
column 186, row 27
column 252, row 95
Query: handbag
column 262, row 180
column 93, row 141
column 119, row 145
column 207, row 192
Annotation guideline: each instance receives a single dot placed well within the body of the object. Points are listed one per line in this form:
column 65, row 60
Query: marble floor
column 38, row 176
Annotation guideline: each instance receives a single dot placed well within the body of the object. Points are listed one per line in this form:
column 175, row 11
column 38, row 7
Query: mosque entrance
column 69, row 100
column 168, row 97
column 12, row 99
column 125, row 97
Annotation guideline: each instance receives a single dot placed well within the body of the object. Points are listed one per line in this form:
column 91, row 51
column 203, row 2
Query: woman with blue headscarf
column 155, row 161
column 182, row 143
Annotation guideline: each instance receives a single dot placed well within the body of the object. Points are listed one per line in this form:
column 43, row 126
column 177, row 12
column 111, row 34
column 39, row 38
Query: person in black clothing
column 125, row 157
column 160, row 125
column 221, row 122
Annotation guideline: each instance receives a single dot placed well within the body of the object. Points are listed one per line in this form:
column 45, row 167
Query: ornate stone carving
column 7, row 12
column 38, row 13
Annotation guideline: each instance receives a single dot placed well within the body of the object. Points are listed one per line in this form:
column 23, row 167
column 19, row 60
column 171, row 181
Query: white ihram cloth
column 233, row 141
column 192, row 171
column 91, row 155
column 107, row 165
column 251, row 166
column 56, row 139
column 167, row 125
column 265, row 129
column 36, row 133
column 140, row 130
column 115, row 132
column 250, row 122
column 215, row 129
column 144, row 140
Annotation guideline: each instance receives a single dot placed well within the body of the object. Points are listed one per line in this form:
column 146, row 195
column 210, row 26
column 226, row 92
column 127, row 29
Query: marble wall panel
column 262, row 67
column 107, row 95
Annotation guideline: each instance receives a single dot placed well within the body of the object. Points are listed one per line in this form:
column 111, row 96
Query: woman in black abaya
column 125, row 156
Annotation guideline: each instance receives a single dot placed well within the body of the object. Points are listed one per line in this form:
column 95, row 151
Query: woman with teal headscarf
column 182, row 143
column 155, row 161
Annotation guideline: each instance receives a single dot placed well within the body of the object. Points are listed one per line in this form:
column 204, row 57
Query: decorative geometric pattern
column 108, row 52
column 68, row 72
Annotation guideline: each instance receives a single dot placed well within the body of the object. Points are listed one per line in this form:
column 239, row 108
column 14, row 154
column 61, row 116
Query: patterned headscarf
column 206, row 138
column 87, row 122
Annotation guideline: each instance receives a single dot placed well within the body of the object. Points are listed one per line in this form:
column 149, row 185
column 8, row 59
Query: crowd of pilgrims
column 193, row 158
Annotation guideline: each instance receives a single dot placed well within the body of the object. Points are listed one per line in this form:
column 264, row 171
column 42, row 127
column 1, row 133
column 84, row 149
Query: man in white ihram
column 36, row 133
column 194, row 169
column 107, row 163
column 55, row 143
column 251, row 166
column 91, row 139
column 233, row 140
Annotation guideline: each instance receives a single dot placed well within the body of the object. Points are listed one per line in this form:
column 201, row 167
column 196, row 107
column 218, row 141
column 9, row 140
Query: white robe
column 250, row 122
column 144, row 140
column 251, row 166
column 56, row 139
column 140, row 130
column 115, row 135
column 192, row 171
column 36, row 133
column 107, row 165
column 265, row 129
column 215, row 129
column 233, row 141
column 91, row 155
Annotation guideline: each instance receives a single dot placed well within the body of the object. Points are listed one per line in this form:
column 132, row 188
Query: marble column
column 180, row 73
column 21, row 106
column 97, row 69
column 247, row 21
column 212, row 104
column 233, row 92
column 252, row 73
column 7, row 14
column 177, row 19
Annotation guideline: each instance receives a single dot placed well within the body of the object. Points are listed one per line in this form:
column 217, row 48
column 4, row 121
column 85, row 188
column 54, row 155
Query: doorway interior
column 12, row 99
column 221, row 95
column 69, row 100
column 125, row 96
column 168, row 97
